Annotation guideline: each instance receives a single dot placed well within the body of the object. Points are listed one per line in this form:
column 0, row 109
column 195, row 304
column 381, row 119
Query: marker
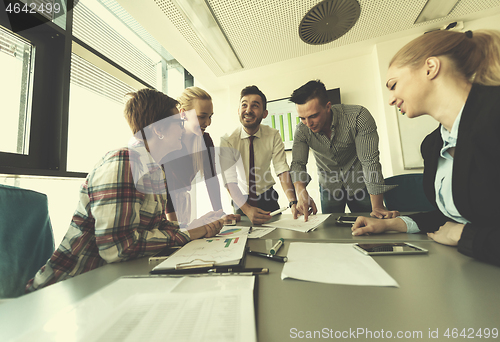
column 276, row 246
column 269, row 256
column 276, row 212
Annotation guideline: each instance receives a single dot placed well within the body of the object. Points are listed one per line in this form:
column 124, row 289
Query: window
column 96, row 122
column 109, row 60
column 40, row 148
column 77, row 63
column 96, row 28
column 16, row 55
column 78, row 75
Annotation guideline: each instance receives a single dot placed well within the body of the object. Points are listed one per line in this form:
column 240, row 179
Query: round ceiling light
column 328, row 20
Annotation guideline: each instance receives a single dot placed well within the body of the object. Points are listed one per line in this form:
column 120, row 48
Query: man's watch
column 292, row 203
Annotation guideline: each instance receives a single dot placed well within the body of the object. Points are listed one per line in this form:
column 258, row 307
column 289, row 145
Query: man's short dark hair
column 311, row 90
column 253, row 90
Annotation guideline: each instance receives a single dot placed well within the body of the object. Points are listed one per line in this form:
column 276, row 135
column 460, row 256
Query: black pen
column 269, row 256
column 254, row 271
column 210, row 270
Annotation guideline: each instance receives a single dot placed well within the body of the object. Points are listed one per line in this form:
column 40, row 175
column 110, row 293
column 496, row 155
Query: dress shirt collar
column 245, row 135
column 143, row 166
column 146, row 160
column 450, row 138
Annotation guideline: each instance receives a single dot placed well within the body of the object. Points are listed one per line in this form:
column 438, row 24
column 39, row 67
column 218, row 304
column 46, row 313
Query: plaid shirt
column 120, row 216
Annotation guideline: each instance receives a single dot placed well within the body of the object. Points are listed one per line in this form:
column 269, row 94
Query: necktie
column 252, row 191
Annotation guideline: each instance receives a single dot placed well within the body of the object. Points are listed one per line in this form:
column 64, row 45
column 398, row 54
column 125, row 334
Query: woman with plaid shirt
column 121, row 212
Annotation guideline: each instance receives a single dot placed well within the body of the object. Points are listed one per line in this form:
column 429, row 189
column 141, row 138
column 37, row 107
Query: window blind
column 96, row 33
column 86, row 75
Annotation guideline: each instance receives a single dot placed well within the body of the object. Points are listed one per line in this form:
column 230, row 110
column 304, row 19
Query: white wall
column 359, row 72
column 383, row 54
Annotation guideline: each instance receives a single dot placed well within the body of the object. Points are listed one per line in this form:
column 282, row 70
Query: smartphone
column 389, row 248
column 230, row 223
column 164, row 253
column 346, row 219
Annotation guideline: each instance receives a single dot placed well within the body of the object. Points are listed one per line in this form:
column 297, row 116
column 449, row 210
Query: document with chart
column 230, row 231
column 216, row 251
column 153, row 308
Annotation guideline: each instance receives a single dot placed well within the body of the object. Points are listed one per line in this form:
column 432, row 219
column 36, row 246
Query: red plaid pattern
column 114, row 221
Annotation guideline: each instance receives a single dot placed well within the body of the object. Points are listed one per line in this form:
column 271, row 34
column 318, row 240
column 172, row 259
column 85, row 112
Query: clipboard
column 199, row 256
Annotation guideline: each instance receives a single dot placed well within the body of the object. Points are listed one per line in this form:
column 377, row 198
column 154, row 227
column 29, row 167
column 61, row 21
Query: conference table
column 442, row 295
column 330, row 230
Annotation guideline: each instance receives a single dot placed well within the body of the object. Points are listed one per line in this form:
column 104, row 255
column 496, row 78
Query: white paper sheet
column 258, row 232
column 333, row 263
column 230, row 231
column 288, row 222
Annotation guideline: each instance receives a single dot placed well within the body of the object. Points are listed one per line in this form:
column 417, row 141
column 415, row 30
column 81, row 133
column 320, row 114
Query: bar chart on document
column 225, row 242
column 282, row 115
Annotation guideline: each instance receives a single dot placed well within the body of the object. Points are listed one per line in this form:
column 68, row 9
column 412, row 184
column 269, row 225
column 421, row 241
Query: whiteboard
column 412, row 132
column 282, row 115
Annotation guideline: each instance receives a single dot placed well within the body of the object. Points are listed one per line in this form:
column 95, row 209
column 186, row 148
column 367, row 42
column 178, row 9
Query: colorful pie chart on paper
column 230, row 231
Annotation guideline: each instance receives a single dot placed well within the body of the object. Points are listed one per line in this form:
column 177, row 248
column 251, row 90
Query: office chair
column 26, row 239
column 408, row 195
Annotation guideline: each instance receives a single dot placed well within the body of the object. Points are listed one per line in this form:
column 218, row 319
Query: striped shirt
column 120, row 216
column 349, row 159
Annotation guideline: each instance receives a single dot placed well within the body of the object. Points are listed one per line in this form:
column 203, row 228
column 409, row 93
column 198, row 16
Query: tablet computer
column 389, row 248
column 347, row 220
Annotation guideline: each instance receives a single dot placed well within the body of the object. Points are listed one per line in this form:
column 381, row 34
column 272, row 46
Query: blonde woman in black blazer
column 455, row 78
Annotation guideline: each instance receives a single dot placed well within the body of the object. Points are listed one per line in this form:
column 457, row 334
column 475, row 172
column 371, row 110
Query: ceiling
column 264, row 32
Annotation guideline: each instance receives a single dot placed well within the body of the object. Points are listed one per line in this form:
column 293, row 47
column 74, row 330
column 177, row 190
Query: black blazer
column 476, row 175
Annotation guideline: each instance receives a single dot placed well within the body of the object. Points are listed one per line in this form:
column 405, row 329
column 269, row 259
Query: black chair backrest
column 26, row 239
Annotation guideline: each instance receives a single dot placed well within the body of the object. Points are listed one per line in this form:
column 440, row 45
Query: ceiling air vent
column 328, row 20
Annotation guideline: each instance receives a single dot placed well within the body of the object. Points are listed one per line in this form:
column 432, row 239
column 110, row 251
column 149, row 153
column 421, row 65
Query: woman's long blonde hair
column 186, row 102
column 475, row 55
column 189, row 95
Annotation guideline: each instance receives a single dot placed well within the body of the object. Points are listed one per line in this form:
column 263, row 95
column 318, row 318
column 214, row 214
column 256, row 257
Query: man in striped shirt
column 344, row 141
